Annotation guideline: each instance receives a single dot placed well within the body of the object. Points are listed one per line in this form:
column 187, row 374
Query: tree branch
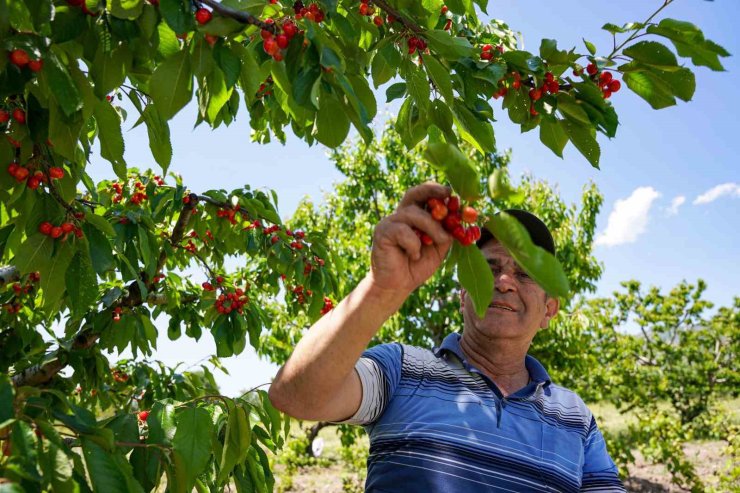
column 243, row 17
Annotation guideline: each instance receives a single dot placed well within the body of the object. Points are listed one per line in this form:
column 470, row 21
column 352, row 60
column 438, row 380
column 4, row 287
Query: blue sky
column 656, row 158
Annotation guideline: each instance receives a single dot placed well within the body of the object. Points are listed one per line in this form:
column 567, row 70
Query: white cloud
column 629, row 218
column 714, row 193
column 675, row 204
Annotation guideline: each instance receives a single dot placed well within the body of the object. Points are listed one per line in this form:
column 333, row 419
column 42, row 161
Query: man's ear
column 552, row 306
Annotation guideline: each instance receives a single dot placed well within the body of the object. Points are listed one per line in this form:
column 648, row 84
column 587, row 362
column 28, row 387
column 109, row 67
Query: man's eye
column 523, row 275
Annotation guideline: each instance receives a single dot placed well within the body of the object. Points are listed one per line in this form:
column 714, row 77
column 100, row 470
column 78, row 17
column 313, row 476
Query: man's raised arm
column 318, row 382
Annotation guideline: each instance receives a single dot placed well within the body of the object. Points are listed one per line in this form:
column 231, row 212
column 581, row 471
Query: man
column 474, row 415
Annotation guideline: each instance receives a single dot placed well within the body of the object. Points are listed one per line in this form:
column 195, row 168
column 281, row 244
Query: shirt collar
column 451, row 344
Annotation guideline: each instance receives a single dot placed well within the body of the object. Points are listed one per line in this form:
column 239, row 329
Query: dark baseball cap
column 537, row 230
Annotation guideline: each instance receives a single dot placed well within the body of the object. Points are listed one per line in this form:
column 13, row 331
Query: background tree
column 663, row 360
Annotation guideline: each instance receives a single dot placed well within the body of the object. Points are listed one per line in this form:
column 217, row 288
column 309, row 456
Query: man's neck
column 503, row 361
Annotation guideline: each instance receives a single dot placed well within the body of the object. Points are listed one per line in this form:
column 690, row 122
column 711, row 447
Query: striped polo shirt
column 437, row 424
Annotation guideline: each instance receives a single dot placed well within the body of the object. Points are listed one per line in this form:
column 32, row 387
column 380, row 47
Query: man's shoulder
column 565, row 406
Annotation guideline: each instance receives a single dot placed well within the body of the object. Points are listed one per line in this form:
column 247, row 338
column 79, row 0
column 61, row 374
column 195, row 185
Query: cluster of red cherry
column 415, row 44
column 19, row 291
column 119, row 376
column 452, row 216
column 22, row 173
column 275, row 44
column 368, row 10
column 138, row 196
column 65, row 229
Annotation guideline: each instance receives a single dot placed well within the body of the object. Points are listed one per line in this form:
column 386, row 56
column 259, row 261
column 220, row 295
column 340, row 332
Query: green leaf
column 332, row 124
column 589, row 46
column 6, row 398
column 64, row 90
column 177, row 14
column 537, row 262
column 451, row 48
column 228, row 62
column 384, row 64
column 34, row 254
column 651, row 53
column 500, row 189
column 517, row 103
column 159, row 136
column 101, row 252
column 218, row 94
column 161, row 423
column 111, row 138
column 649, row 88
column 572, row 108
column 171, row 85
column 125, row 9
column 441, row 78
column 553, row 135
column 105, row 475
column 457, row 168
column 237, row 441
column 20, row 17
column 52, row 281
column 478, row 132
column 192, row 441
column 584, row 140
column 395, row 91
column 475, row 276
column 416, row 84
column 108, row 69
column 81, row 283
column 689, row 42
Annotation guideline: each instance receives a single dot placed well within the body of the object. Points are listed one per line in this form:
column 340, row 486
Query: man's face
column 519, row 307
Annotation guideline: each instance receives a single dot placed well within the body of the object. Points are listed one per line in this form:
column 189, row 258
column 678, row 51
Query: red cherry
column 453, row 203
column 4, row 116
column 143, row 415
column 439, row 213
column 211, row 39
column 448, row 25
column 45, row 228
column 21, row 173
column 68, row 227
column 469, row 214
column 19, row 115
column 591, row 69
column 270, row 46
column 274, row 239
column 219, row 279
column 378, row 21
column 533, row 111
column 19, row 57
column 444, row 9
column 615, row 85
column 451, row 222
column 282, row 41
column 605, row 77
column 56, row 232
column 203, row 16
column 458, row 233
column 364, row 9
column 553, row 87
column 265, row 34
column 487, row 48
column 33, row 183
column 486, row 55
column 535, row 94
column 36, row 65
column 12, row 167
column 577, row 72
column 607, row 93
column 290, row 29
column 56, row 172
column 426, row 239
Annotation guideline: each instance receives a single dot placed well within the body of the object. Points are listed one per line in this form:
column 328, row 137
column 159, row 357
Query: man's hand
column 399, row 261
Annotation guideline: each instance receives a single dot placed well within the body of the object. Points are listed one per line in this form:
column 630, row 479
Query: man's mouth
column 502, row 306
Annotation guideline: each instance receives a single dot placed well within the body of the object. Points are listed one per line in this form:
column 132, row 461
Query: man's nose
column 504, row 282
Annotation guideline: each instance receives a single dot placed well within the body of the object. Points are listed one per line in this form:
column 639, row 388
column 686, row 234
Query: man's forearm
column 326, row 355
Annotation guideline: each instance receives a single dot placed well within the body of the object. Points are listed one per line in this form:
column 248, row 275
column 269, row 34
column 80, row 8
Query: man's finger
column 421, row 219
column 419, row 194
column 402, row 235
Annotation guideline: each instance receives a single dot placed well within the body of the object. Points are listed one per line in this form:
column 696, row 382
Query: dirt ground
column 644, row 477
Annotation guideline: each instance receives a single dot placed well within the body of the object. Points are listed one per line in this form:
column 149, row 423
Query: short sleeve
column 379, row 369
column 599, row 471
